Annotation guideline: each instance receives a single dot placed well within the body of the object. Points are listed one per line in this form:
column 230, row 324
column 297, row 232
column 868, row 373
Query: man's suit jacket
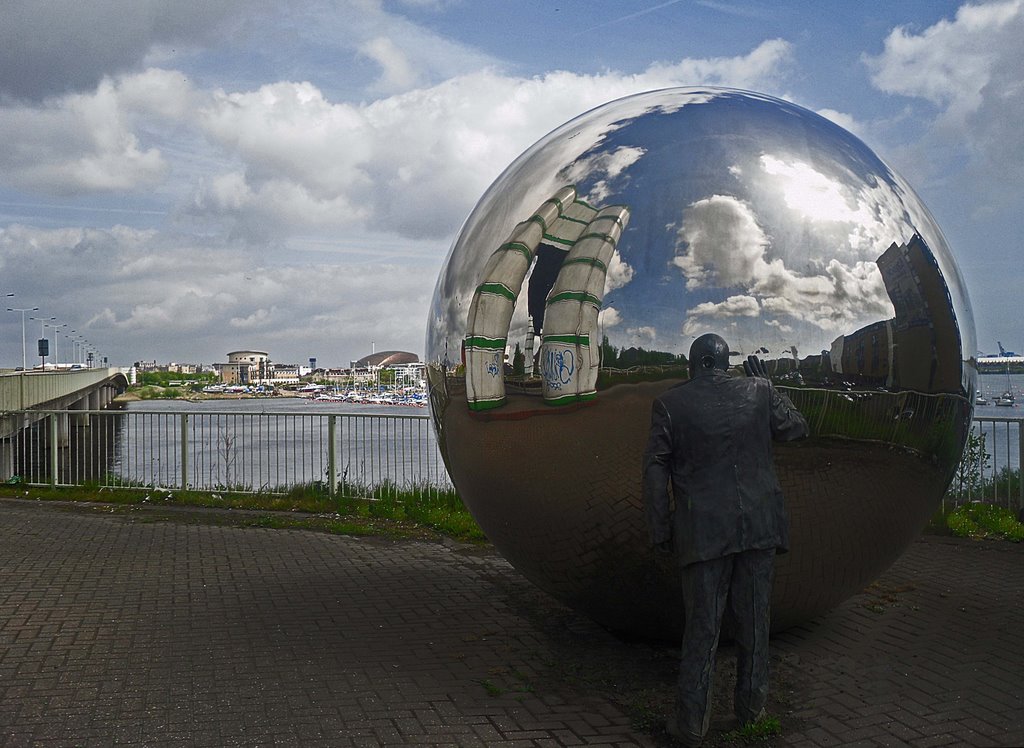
column 711, row 440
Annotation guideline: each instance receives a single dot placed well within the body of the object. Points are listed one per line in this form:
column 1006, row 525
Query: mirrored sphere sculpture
column 576, row 286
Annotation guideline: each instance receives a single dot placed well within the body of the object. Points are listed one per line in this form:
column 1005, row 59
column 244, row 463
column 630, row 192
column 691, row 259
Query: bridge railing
column 210, row 451
column 20, row 390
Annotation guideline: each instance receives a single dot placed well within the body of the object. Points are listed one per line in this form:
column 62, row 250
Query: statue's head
column 708, row 353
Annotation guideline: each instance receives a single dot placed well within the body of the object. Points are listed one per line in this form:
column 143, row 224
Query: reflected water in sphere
column 577, row 284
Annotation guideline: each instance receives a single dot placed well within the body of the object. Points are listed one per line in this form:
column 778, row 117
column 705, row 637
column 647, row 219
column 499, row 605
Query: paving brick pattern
column 116, row 629
column 931, row 654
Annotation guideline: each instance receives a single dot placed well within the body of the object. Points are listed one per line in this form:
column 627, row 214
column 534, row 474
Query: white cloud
column 724, row 243
column 611, row 164
column 88, row 142
column 262, row 318
column 386, row 162
column 811, row 193
column 642, row 334
column 844, row 120
column 155, row 296
column 62, row 46
column 397, row 74
column 970, row 69
column 608, row 317
column 770, row 59
column 866, row 218
column 723, row 246
column 282, row 165
column 952, row 62
column 734, row 306
column 619, row 273
column 781, row 327
column 296, row 158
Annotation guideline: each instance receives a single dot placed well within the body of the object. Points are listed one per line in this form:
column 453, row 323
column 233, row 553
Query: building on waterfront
column 385, row 359
column 413, row 374
column 285, row 373
column 406, row 367
column 171, row 368
column 387, row 368
column 255, row 367
column 919, row 348
column 244, row 367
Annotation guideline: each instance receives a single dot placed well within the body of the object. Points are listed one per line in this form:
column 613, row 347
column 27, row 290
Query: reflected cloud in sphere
column 584, row 273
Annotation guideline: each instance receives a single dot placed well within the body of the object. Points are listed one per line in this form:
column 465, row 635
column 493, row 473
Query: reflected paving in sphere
column 586, row 270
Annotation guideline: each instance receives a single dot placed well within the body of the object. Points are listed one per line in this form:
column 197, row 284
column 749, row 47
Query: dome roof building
column 386, row 358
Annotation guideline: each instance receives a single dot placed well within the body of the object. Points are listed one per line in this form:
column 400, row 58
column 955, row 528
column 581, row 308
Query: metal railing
column 210, row 451
column 991, row 467
column 353, row 452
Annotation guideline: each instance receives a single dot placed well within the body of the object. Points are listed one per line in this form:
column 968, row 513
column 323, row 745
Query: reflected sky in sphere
column 749, row 216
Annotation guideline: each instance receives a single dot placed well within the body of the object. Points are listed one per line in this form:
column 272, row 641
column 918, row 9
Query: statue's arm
column 787, row 422
column 658, row 476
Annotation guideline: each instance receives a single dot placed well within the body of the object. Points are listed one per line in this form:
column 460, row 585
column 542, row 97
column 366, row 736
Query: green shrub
column 977, row 520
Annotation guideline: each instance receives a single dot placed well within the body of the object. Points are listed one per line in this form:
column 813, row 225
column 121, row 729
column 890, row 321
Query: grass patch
column 492, row 688
column 385, row 510
column 439, row 510
column 977, row 520
column 757, row 731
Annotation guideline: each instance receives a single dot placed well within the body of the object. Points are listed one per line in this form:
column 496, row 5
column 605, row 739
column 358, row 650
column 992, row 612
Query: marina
column 998, row 391
column 318, row 393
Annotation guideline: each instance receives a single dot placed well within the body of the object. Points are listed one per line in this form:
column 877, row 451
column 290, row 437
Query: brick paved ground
column 931, row 654
column 116, row 628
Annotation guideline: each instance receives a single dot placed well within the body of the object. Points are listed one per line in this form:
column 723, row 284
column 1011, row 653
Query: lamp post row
column 79, row 345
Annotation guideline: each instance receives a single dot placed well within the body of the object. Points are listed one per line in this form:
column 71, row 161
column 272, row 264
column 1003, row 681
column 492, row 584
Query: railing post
column 331, row 467
column 184, row 451
column 1020, row 465
column 54, row 448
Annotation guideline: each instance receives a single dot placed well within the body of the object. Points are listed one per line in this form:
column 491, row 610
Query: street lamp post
column 56, row 356
column 42, row 331
column 24, row 359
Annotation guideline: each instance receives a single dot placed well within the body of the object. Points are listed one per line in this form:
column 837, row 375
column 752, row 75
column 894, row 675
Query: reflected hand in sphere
column 586, row 270
column 755, row 367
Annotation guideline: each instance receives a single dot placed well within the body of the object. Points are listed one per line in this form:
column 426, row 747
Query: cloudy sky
column 182, row 179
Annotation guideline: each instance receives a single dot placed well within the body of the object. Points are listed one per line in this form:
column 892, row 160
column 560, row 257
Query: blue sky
column 182, row 179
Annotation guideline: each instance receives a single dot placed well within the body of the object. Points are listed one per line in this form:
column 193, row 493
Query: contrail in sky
column 630, row 16
column 83, row 208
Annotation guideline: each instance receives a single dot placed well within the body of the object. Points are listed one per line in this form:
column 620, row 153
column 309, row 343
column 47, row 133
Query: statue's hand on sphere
column 755, row 367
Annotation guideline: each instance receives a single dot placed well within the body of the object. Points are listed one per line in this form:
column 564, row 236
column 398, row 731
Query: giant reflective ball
column 575, row 288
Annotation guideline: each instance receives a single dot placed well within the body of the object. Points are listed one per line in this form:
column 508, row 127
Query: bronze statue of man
column 724, row 518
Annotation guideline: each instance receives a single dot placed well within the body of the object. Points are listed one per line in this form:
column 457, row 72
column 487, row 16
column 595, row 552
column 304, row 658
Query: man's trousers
column 741, row 584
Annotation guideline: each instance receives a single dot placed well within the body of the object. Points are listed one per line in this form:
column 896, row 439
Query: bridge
column 26, row 397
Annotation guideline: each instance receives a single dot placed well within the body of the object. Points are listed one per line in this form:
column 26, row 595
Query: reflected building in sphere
column 585, row 271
